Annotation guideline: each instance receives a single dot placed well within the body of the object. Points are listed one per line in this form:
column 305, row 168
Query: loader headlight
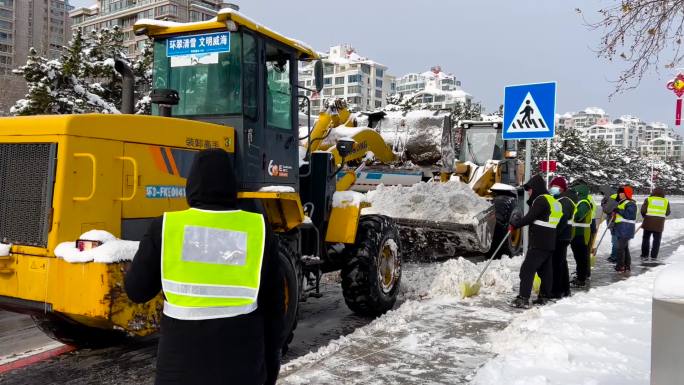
column 345, row 146
column 510, row 154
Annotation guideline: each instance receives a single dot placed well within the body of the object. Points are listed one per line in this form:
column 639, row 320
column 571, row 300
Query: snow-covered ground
column 435, row 337
column 599, row 337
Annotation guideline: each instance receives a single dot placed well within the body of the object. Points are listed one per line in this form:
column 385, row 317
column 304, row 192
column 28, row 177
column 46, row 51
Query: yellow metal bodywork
column 155, row 28
column 283, row 210
column 104, row 166
column 344, row 223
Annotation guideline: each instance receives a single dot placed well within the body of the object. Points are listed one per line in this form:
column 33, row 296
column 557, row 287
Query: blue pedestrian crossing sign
column 529, row 111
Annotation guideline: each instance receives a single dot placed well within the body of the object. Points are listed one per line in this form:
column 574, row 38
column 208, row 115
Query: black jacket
column 541, row 237
column 238, row 350
column 564, row 230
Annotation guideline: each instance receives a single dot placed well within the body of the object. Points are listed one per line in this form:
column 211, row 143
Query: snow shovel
column 592, row 256
column 470, row 290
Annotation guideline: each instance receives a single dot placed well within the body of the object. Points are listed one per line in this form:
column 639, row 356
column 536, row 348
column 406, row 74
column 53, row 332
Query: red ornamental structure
column 677, row 86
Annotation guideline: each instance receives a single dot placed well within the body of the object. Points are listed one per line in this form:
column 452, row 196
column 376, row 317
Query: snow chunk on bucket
column 5, row 249
column 112, row 249
column 343, row 199
column 451, row 201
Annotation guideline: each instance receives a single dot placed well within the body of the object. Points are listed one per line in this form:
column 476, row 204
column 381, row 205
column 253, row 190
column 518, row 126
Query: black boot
column 540, row 301
column 521, row 302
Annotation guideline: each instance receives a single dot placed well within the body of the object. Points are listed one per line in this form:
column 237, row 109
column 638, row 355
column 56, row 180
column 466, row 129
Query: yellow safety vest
column 555, row 215
column 618, row 217
column 656, row 206
column 211, row 263
column 594, row 211
column 586, row 222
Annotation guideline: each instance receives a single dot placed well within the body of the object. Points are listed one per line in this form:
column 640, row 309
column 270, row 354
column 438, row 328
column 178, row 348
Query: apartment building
column 41, row 24
column 364, row 83
column 434, row 88
column 124, row 13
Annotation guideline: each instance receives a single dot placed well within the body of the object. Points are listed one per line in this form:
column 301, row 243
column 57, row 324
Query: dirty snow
column 279, row 189
column 599, row 337
column 112, row 249
column 5, row 249
column 417, row 135
column 343, row 199
column 420, row 337
column 452, row 201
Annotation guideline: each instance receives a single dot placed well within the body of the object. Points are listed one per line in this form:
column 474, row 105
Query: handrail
column 94, row 181
column 135, row 178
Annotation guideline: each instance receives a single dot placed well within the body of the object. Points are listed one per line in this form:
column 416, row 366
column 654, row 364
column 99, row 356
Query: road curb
column 35, row 358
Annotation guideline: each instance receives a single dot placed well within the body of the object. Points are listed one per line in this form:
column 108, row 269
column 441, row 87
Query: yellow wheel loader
column 225, row 83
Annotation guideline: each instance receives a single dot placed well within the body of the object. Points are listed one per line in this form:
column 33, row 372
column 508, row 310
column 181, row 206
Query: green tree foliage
column 83, row 80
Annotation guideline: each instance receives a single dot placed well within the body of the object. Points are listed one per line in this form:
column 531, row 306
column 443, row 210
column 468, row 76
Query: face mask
column 555, row 191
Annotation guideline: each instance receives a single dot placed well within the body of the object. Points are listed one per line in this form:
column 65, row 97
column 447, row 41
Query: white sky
column 487, row 44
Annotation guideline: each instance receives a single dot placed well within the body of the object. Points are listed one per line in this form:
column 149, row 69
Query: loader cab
column 483, row 141
column 233, row 72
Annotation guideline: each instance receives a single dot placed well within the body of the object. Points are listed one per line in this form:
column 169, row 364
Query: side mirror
column 345, row 146
column 318, row 75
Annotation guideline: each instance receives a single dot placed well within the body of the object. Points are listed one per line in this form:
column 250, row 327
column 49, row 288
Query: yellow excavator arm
column 337, row 122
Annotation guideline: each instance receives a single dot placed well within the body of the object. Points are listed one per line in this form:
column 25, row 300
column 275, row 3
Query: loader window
column 481, row 145
column 210, row 84
column 278, row 88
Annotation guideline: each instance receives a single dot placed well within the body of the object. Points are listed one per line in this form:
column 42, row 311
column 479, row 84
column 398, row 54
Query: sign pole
column 528, row 169
column 548, row 161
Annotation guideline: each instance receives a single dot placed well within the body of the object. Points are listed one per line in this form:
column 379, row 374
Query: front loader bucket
column 426, row 241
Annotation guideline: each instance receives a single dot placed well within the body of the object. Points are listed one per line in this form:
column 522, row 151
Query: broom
column 473, row 289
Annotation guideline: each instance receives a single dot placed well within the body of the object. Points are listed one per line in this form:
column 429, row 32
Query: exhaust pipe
column 127, row 86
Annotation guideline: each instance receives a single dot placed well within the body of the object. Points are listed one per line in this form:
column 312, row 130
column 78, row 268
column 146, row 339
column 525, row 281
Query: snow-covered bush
column 599, row 163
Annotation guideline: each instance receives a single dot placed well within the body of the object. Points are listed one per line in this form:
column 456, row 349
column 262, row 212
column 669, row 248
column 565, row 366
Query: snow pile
column 669, row 285
column 415, row 134
column 600, row 337
column 343, row 199
column 445, row 279
column 5, row 249
column 452, row 201
column 112, row 249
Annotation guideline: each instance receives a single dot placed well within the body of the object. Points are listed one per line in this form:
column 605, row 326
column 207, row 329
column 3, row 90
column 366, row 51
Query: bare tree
column 640, row 32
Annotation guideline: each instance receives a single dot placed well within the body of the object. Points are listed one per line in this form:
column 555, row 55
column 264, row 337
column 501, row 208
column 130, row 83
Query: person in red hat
column 625, row 220
column 561, row 279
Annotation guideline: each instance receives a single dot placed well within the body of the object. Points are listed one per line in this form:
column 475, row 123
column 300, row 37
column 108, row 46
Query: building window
column 327, row 81
column 378, row 94
column 339, row 91
column 378, row 83
column 354, row 89
column 339, row 80
column 378, row 104
column 328, row 69
column 354, row 78
column 379, row 72
column 6, row 3
column 365, row 68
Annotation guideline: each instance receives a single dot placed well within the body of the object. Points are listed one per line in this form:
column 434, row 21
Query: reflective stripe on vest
column 586, row 222
column 618, row 217
column 656, row 207
column 211, row 263
column 555, row 214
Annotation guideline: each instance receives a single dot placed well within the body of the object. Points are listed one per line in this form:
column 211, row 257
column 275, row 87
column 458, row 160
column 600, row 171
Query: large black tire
column 69, row 332
column 372, row 273
column 289, row 273
column 504, row 207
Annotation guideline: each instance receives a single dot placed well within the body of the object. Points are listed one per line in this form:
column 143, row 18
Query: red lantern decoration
column 677, row 86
